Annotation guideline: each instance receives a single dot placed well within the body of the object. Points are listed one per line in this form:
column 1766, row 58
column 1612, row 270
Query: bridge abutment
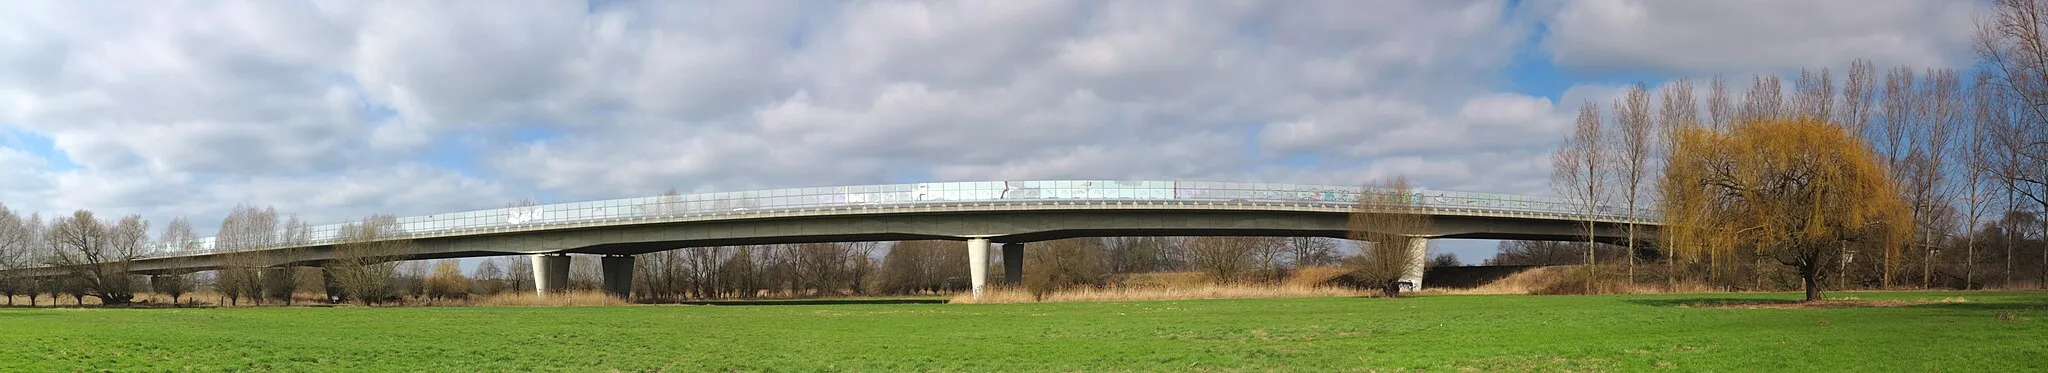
column 1013, row 264
column 977, row 264
column 550, row 273
column 618, row 275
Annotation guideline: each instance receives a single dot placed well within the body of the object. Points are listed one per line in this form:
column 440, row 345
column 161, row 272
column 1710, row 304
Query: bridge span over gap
column 1005, row 213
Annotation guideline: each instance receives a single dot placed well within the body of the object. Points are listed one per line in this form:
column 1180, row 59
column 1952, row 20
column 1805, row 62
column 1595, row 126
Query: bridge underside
column 1005, row 227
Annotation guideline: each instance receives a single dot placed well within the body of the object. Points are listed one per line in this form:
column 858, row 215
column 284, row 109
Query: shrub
column 447, row 282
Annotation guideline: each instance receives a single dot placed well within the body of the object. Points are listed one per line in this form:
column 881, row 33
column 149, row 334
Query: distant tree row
column 937, row 267
column 1886, row 178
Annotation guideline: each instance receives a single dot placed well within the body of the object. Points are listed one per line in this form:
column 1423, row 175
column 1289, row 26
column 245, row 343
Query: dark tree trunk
column 1810, row 274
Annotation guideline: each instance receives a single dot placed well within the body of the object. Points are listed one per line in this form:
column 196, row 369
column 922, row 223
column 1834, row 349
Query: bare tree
column 1388, row 220
column 1678, row 113
column 490, row 279
column 16, row 240
column 1142, row 254
column 177, row 237
column 281, row 282
column 243, row 232
column 1858, row 92
column 1896, row 144
column 1580, row 167
column 862, row 265
column 1312, row 251
column 174, row 285
column 1269, row 251
column 238, row 276
column 1987, row 160
column 1062, row 264
column 1764, row 100
column 1678, row 109
column 96, row 255
column 1816, row 96
column 1940, row 111
column 36, row 252
column 1225, row 260
column 2012, row 46
column 1719, row 108
column 519, row 274
column 362, row 264
column 913, row 267
column 1547, row 253
column 296, row 232
column 1632, row 118
column 664, row 276
column 1444, row 260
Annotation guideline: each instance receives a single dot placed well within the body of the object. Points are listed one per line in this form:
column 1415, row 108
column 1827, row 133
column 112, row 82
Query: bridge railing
column 740, row 204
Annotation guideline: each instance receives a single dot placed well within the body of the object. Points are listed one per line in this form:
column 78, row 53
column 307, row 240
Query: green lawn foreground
column 1437, row 333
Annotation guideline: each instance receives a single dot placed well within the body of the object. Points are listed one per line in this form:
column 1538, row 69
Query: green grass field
column 1438, row 333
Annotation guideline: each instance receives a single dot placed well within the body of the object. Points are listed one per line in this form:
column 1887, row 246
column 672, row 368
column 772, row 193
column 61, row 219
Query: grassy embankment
column 1987, row 332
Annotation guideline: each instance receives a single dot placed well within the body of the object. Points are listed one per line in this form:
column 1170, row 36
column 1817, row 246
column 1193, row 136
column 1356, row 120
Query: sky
column 334, row 110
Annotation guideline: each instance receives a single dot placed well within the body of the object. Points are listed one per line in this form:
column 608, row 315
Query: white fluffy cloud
column 337, row 109
column 1691, row 37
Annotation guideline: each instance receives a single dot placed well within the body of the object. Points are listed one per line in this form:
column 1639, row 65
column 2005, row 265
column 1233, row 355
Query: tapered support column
column 331, row 285
column 278, row 276
column 550, row 273
column 1013, row 263
column 1418, row 254
column 977, row 264
column 618, row 275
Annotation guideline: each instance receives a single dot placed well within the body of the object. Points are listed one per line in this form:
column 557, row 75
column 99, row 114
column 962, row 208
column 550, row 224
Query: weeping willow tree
column 1797, row 191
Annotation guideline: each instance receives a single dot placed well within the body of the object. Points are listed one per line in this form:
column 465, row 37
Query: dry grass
column 2016, row 285
column 1315, row 276
column 1830, row 303
column 1557, row 280
column 1117, row 294
column 1162, row 280
column 528, row 299
column 1304, row 282
column 516, row 299
column 1523, row 282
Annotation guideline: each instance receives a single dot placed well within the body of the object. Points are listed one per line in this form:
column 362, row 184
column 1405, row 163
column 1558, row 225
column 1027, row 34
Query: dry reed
column 529, row 299
column 1571, row 280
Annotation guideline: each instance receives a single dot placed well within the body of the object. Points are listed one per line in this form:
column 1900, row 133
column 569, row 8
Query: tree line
column 1888, row 177
column 262, row 262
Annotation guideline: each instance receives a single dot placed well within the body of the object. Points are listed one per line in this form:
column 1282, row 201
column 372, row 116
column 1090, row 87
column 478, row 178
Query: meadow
column 1968, row 331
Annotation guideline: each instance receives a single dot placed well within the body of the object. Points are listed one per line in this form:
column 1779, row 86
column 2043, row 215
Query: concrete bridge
column 982, row 214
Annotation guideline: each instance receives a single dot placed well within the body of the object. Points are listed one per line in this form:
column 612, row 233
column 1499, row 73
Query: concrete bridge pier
column 550, row 273
column 278, row 274
column 977, row 264
column 618, row 275
column 1418, row 256
column 331, row 285
column 1013, row 264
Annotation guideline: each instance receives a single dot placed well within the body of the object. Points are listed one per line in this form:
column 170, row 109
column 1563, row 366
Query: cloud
column 875, row 92
column 1704, row 37
column 340, row 109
